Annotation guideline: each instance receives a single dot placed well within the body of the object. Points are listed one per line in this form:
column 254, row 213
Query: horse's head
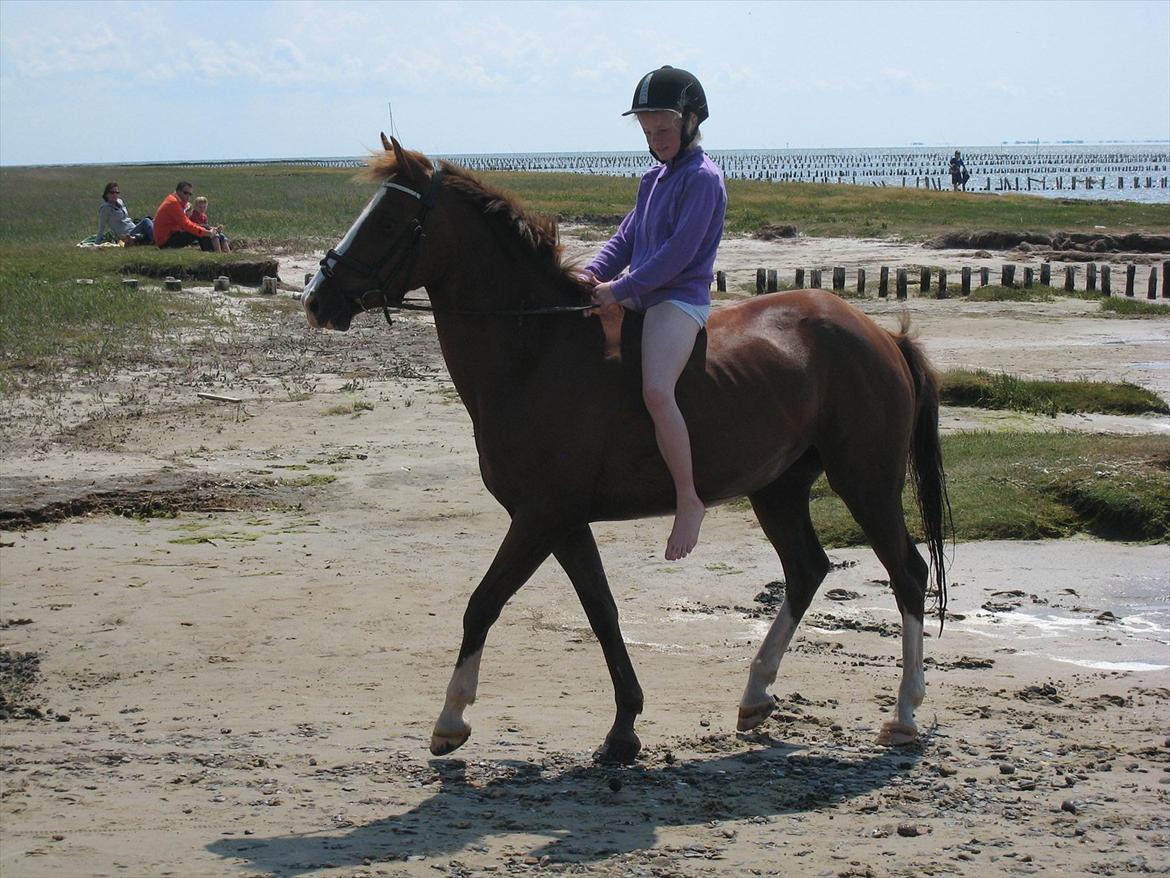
column 378, row 260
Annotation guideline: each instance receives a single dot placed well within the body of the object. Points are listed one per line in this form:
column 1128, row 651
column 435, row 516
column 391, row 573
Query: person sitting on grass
column 173, row 228
column 114, row 220
column 197, row 211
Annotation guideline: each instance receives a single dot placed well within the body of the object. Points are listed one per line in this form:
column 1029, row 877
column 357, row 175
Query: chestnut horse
column 780, row 388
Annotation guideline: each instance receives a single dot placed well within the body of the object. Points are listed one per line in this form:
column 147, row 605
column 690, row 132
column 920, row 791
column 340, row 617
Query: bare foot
column 684, row 536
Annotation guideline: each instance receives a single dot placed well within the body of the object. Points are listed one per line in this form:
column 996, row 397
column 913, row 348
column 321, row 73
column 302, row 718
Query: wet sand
column 243, row 683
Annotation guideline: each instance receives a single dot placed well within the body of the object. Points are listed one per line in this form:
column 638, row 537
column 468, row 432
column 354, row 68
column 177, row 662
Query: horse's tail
column 926, row 463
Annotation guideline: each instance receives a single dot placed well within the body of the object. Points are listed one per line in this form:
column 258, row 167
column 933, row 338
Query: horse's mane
column 528, row 232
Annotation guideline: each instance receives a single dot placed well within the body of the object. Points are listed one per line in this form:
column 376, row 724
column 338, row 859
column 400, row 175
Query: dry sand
column 247, row 688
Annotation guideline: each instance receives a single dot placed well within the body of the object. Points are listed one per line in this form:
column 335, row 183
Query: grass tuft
column 991, row 390
column 1028, row 486
column 1126, row 307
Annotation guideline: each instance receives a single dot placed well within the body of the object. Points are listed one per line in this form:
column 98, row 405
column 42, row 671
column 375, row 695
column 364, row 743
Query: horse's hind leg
column 783, row 512
column 527, row 544
column 577, row 553
column 879, row 512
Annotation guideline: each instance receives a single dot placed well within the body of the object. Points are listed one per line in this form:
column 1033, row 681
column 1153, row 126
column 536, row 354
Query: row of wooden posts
column 1005, row 184
column 1096, row 277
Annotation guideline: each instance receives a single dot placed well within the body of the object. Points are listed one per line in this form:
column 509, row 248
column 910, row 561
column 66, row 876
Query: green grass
column 1126, row 307
column 998, row 391
column 1110, row 305
column 277, row 206
column 1006, row 485
column 997, row 293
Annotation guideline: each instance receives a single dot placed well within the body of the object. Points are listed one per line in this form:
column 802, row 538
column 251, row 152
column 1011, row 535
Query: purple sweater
column 669, row 239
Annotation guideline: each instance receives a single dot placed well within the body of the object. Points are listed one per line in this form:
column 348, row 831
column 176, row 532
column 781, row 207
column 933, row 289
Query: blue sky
column 108, row 82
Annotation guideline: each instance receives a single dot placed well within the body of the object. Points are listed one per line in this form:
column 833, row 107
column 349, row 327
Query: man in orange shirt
column 173, row 228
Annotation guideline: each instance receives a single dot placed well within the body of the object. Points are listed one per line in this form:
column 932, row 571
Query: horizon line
column 359, row 156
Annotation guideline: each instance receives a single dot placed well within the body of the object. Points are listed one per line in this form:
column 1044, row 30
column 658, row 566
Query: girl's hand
column 603, row 295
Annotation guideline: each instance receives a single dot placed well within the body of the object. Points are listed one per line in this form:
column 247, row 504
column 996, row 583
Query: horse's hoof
column 618, row 751
column 895, row 733
column 443, row 743
column 752, row 716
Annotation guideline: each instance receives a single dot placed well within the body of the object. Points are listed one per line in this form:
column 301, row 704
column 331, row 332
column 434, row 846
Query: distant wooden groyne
column 1014, row 170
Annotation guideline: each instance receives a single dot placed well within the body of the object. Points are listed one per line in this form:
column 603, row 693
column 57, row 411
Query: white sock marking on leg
column 766, row 664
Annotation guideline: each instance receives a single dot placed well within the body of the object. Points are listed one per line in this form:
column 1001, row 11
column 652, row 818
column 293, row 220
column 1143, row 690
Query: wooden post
column 1091, row 276
column 924, row 282
column 1106, row 287
column 1070, row 277
column 222, row 284
column 984, row 276
column 1130, row 277
column 308, row 277
column 942, row 284
column 1046, row 274
column 1165, row 280
column 721, row 281
column 815, row 279
column 761, row 281
column 838, row 278
column 773, row 281
column 966, row 280
column 172, row 284
column 861, row 281
column 268, row 286
column 1007, row 275
column 800, row 278
column 131, row 283
column 1028, row 275
column 884, row 282
column 901, row 283
column 1152, row 284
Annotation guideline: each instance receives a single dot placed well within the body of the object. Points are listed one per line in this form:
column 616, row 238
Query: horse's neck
column 491, row 358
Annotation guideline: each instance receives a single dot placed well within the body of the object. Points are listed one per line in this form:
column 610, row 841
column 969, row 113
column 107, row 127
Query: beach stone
column 908, row 830
column 1068, row 806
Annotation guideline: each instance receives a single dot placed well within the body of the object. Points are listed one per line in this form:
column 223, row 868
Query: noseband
column 401, row 254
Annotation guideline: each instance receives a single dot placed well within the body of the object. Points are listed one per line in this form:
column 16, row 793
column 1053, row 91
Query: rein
column 411, row 305
column 413, row 236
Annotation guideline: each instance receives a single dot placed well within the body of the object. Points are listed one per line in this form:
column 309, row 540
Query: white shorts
column 698, row 313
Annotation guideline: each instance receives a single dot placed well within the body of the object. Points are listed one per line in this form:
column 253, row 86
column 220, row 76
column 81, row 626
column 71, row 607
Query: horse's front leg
column 527, row 544
column 577, row 553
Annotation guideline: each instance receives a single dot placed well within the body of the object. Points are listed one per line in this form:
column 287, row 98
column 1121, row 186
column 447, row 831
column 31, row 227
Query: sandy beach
column 227, row 630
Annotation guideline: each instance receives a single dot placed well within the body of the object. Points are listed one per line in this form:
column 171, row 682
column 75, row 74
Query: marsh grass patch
column 1115, row 306
column 1028, row 486
column 983, row 389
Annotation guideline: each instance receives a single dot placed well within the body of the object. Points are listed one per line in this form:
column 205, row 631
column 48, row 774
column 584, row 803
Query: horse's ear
column 407, row 164
column 385, row 143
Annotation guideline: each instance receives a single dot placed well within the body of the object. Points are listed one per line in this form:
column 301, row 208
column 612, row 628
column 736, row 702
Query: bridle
column 397, row 255
column 402, row 254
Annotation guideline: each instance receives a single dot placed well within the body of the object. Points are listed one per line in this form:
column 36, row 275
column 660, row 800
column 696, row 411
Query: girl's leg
column 668, row 338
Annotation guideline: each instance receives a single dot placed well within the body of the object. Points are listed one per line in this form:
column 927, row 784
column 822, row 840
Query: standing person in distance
column 958, row 169
column 668, row 242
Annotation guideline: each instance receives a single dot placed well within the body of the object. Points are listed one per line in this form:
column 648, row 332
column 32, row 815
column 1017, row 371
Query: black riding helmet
column 669, row 88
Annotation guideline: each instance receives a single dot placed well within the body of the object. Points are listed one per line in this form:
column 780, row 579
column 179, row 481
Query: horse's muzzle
column 313, row 300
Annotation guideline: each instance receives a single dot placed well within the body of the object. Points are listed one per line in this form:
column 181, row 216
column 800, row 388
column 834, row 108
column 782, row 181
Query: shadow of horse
column 586, row 812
